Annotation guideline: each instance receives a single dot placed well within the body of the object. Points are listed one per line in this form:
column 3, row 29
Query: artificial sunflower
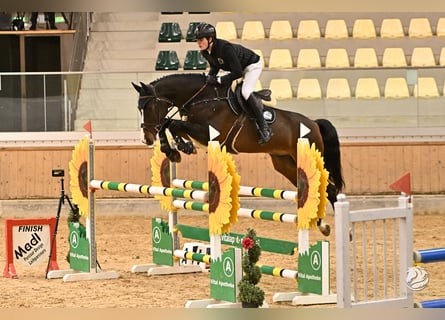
column 79, row 184
column 220, row 182
column 234, row 193
column 308, row 186
column 160, row 172
column 323, row 182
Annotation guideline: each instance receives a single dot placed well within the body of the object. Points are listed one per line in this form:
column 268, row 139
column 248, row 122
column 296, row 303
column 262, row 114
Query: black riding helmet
column 205, row 30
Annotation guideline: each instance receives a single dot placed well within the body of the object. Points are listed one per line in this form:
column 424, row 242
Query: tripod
column 56, row 225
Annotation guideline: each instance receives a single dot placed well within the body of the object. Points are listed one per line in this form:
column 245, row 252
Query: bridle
column 148, row 99
column 161, row 123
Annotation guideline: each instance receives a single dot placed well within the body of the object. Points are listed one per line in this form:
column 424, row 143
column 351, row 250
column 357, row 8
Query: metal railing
column 63, row 101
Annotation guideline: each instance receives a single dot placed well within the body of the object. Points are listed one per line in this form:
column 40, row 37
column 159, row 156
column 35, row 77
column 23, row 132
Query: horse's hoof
column 188, row 149
column 165, row 148
column 325, row 229
column 174, row 156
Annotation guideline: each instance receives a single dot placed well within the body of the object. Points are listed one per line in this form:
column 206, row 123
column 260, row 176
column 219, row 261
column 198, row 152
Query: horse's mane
column 177, row 75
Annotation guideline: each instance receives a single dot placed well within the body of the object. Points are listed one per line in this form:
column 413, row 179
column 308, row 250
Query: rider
column 240, row 62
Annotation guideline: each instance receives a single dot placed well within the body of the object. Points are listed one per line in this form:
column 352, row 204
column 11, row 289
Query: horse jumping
column 201, row 105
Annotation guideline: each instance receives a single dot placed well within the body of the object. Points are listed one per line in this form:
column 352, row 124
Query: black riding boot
column 257, row 109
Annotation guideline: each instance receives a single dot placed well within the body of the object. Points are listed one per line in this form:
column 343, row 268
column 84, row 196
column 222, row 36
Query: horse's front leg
column 178, row 129
column 172, row 154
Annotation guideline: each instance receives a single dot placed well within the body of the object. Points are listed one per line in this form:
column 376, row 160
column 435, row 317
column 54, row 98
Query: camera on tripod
column 58, row 173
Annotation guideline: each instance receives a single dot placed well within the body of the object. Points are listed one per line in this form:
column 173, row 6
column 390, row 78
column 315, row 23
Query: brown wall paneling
column 368, row 168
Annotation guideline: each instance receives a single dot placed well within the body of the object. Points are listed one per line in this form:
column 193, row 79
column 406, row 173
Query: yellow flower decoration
column 79, row 184
column 323, row 182
column 234, row 193
column 308, row 186
column 160, row 172
column 220, row 182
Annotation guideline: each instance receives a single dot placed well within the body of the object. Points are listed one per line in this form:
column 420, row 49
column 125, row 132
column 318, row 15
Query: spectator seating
column 167, row 60
column 280, row 59
column 309, row 89
column 338, row 89
column 442, row 57
column 337, row 58
column 391, row 28
column 364, row 29
column 308, row 58
column 170, row 32
column 396, row 88
column 226, row 30
column 365, row 58
column 393, row 58
column 336, row 29
column 419, row 28
column 258, row 86
column 308, row 30
column 422, row 57
column 253, row 30
column 440, row 27
column 190, row 35
column 426, row 88
column 367, row 89
column 281, row 89
column 280, row 30
column 194, row 60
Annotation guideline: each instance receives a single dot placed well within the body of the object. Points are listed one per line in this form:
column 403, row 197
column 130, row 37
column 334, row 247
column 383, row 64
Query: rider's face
column 203, row 43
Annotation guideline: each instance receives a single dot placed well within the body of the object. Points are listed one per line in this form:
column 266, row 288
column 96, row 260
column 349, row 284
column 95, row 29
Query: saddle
column 238, row 104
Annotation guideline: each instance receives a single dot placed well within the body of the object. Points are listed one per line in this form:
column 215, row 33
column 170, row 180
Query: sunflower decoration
column 234, row 193
column 160, row 172
column 308, row 186
column 220, row 185
column 323, row 182
column 78, row 167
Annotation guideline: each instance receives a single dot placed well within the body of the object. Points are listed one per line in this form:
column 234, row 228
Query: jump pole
column 430, row 256
column 303, row 236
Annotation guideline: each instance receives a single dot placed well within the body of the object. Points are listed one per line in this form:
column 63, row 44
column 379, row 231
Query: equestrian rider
column 240, row 62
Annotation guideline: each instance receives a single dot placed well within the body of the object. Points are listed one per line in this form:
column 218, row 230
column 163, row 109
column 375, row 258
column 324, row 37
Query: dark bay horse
column 201, row 106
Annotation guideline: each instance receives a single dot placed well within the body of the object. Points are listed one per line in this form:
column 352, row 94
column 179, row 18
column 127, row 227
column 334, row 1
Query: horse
column 201, row 105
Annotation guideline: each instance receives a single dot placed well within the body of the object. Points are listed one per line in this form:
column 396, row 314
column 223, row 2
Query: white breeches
column 251, row 75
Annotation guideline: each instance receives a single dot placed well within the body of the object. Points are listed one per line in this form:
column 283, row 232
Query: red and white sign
column 28, row 242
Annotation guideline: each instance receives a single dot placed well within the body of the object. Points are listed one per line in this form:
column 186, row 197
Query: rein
column 169, row 117
column 183, row 107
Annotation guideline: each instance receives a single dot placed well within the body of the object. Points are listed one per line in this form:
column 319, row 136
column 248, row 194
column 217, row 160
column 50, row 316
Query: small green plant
column 73, row 217
column 249, row 292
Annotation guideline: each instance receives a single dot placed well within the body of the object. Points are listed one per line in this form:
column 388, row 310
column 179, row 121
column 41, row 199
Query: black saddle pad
column 239, row 105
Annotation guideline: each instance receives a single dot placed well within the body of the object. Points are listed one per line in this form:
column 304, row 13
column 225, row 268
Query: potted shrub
column 250, row 295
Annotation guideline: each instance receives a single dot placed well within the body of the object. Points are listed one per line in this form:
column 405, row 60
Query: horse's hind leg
column 287, row 166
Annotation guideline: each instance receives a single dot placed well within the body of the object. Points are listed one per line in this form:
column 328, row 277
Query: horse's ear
column 136, row 87
column 145, row 87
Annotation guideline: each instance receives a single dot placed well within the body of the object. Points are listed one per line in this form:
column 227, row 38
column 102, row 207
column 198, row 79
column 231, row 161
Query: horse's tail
column 332, row 157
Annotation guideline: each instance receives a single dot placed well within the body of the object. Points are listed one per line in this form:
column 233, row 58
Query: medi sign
column 28, row 242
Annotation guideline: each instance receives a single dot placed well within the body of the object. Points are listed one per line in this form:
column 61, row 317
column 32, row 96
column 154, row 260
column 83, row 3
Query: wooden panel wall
column 369, row 168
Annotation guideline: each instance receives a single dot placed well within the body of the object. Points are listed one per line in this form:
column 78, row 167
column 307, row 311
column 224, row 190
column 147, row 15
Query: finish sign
column 28, row 242
column 31, row 244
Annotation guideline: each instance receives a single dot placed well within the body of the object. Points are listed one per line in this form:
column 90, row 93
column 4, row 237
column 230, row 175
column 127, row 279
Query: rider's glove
column 212, row 80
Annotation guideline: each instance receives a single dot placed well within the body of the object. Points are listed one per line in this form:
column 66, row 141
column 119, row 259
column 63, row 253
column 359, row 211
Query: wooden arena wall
column 368, row 168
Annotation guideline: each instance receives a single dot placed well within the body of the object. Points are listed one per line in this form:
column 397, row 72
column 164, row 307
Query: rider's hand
column 212, row 80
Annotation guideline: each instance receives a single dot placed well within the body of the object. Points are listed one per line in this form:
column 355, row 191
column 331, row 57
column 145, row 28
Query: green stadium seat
column 170, row 32
column 194, row 60
column 167, row 60
column 190, row 37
